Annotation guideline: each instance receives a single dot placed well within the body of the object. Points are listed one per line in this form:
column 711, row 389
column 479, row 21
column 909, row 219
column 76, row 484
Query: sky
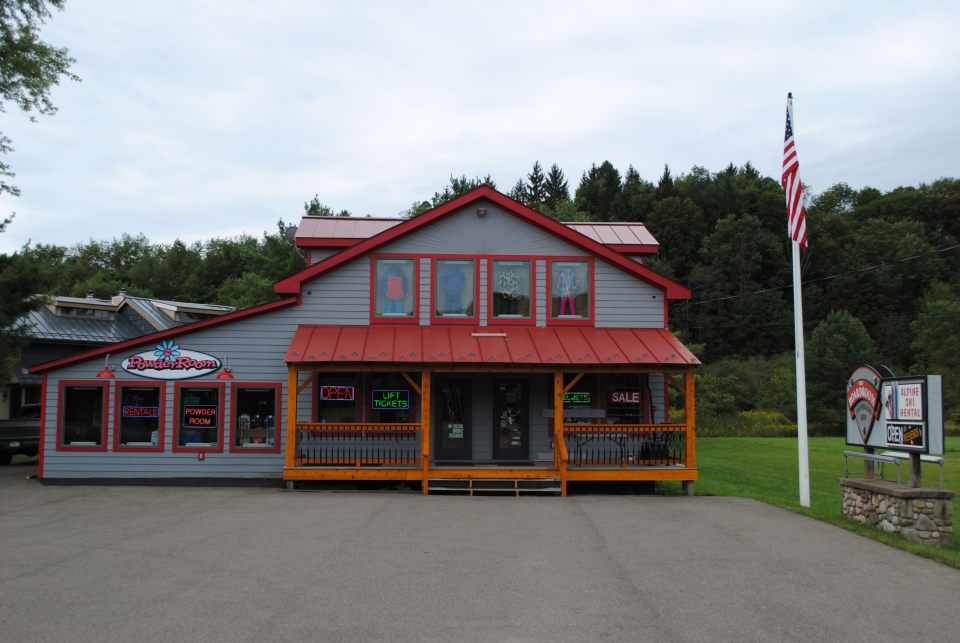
column 213, row 118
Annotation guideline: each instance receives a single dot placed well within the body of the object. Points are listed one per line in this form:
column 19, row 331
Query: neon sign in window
column 337, row 393
column 390, row 400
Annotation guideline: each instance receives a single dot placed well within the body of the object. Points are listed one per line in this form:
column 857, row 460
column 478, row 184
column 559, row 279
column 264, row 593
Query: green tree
column 19, row 285
column 936, row 339
column 680, row 229
column 313, row 208
column 29, row 67
column 599, row 193
column 837, row 346
column 638, row 196
column 556, row 190
column 536, row 186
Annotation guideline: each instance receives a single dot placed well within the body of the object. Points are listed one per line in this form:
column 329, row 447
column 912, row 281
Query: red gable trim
column 179, row 330
column 291, row 285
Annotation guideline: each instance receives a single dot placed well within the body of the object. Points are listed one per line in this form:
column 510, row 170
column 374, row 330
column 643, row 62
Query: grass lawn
column 766, row 469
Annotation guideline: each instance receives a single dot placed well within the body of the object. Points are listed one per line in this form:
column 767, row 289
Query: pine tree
column 536, row 186
column 556, row 190
column 638, row 196
column 519, row 192
column 665, row 188
column 599, row 193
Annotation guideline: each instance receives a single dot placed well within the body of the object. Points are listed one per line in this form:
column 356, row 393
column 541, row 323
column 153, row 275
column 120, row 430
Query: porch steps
column 495, row 486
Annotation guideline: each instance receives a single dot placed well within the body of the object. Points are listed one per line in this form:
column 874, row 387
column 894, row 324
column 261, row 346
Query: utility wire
column 839, row 274
column 827, row 321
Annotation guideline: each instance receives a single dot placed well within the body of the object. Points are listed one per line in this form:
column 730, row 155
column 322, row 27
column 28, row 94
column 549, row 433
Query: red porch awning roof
column 487, row 345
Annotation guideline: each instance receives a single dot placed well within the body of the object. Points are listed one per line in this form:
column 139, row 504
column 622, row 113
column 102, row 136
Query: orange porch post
column 292, row 376
column 690, row 419
column 425, row 427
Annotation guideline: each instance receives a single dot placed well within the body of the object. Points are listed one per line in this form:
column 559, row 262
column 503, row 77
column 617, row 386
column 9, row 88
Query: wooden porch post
column 558, row 462
column 425, row 426
column 292, row 393
column 690, row 419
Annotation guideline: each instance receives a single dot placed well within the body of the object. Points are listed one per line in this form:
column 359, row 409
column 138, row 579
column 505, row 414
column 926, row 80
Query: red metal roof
column 487, row 345
column 321, row 232
column 623, row 237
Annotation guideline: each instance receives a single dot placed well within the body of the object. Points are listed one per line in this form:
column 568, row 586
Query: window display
column 255, row 417
column 391, row 398
column 198, row 417
column 140, row 415
column 395, row 288
column 455, row 288
column 570, row 289
column 82, row 423
column 510, row 285
column 625, row 399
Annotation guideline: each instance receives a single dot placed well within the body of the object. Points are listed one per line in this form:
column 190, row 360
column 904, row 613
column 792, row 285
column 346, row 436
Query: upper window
column 570, row 290
column 75, row 311
column 510, row 286
column 82, row 421
column 186, row 316
column 140, row 417
column 255, row 417
column 395, row 288
column 455, row 288
column 198, row 417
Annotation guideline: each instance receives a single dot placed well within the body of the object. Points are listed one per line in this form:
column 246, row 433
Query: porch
column 581, row 450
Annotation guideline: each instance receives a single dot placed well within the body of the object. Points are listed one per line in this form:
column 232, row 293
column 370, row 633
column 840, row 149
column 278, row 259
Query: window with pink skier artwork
column 570, row 290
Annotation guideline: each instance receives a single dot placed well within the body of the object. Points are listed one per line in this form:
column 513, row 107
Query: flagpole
column 801, row 381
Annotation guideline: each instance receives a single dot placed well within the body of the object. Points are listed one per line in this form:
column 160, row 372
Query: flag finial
column 789, row 94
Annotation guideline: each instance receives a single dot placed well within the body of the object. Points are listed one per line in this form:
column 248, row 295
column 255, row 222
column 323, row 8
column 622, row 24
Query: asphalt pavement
column 105, row 564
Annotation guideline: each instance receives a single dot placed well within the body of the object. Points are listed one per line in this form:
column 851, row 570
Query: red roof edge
column 633, row 249
column 291, row 285
column 179, row 330
column 327, row 243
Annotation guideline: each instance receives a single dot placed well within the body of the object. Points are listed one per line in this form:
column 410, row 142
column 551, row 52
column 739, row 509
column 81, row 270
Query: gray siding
column 541, row 292
column 657, row 395
column 319, row 254
column 425, row 291
column 341, row 296
column 623, row 301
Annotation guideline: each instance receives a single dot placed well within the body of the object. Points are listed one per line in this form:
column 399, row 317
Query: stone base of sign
column 922, row 515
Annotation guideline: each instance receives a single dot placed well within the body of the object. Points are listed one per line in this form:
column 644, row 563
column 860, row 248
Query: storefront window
column 83, row 421
column 580, row 404
column 255, row 413
column 391, row 399
column 198, row 422
column 140, row 414
column 337, row 398
column 570, row 290
column 395, row 288
column 625, row 399
column 510, row 286
column 456, row 281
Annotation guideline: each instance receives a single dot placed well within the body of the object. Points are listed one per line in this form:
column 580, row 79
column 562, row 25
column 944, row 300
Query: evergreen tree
column 519, row 192
column 536, row 186
column 638, row 196
column 665, row 188
column 556, row 190
column 599, row 193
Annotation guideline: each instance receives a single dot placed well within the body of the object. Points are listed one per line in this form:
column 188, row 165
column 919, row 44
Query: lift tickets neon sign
column 141, row 411
column 390, row 400
column 170, row 362
column 195, row 415
column 577, row 398
column 337, row 393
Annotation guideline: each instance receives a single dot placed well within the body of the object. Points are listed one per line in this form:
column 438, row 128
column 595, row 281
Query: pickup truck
column 21, row 435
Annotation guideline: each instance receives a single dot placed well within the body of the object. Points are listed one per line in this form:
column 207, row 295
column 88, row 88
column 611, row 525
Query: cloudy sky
column 214, row 117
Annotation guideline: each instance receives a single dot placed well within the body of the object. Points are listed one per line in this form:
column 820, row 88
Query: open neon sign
column 337, row 393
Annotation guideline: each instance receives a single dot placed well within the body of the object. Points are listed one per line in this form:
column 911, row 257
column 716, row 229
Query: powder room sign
column 901, row 413
column 170, row 362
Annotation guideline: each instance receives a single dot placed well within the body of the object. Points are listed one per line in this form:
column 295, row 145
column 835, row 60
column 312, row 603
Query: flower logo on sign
column 167, row 351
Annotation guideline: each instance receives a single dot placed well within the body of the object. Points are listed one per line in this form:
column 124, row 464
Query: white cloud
column 200, row 119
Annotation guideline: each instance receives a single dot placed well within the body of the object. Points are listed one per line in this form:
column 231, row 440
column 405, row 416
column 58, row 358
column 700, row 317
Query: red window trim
column 498, row 321
column 235, row 448
column 61, row 400
column 444, row 321
column 118, row 407
column 225, row 417
column 593, row 294
column 415, row 319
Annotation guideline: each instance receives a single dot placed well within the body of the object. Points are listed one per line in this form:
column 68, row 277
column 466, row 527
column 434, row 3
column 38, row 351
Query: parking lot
column 122, row 563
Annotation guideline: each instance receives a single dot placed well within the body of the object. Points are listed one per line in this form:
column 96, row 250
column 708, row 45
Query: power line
column 902, row 317
column 839, row 274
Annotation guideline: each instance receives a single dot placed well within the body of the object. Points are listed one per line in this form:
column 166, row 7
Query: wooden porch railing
column 625, row 444
column 356, row 444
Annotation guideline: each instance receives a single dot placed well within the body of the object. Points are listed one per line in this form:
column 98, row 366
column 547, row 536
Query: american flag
column 790, row 180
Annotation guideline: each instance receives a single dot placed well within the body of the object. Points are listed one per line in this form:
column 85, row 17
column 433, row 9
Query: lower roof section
column 428, row 345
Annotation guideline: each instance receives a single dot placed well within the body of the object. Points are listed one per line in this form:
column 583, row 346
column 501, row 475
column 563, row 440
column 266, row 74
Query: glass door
column 511, row 430
column 453, row 437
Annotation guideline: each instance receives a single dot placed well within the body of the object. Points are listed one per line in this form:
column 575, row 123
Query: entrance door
column 511, row 422
column 453, row 437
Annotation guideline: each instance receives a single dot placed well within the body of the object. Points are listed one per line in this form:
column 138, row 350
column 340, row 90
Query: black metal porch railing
column 625, row 445
column 357, row 444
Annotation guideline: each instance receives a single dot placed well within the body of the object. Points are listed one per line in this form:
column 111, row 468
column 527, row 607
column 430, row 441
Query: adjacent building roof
column 46, row 325
column 628, row 238
column 487, row 345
